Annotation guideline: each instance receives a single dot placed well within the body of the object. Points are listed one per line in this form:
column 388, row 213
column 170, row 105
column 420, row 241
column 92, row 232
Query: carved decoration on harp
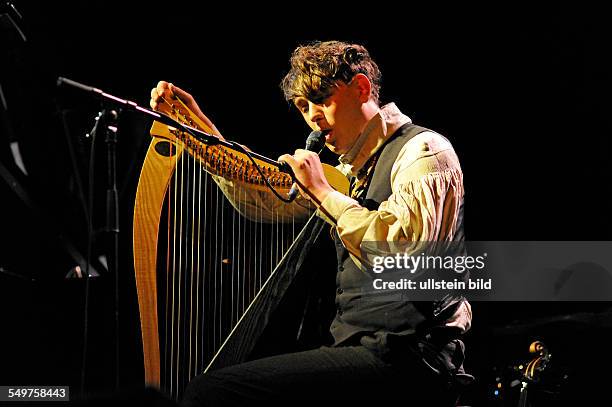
column 163, row 159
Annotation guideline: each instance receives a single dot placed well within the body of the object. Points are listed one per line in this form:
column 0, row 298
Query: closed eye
column 303, row 108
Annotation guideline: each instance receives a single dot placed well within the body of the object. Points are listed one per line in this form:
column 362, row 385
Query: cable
column 248, row 154
column 286, row 200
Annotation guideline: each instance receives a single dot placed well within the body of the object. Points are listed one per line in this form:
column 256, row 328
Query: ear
column 363, row 86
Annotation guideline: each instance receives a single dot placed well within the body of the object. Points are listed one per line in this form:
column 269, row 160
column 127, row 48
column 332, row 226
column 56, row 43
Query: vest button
column 339, row 311
column 339, row 290
column 340, row 268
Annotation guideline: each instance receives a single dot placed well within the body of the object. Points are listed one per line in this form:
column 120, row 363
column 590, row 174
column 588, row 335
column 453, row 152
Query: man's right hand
column 167, row 92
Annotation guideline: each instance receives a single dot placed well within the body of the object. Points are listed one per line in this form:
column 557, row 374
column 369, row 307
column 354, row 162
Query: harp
column 181, row 265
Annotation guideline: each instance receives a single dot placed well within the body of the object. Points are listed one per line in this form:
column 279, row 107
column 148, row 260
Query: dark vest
column 369, row 321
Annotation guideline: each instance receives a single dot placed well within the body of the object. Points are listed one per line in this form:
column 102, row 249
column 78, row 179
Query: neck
column 369, row 110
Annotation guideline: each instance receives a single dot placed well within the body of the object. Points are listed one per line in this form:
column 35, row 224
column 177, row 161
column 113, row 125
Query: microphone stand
column 112, row 217
column 204, row 137
column 200, row 135
column 107, row 122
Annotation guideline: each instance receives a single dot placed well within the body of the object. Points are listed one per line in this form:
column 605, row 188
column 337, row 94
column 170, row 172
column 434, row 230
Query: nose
column 315, row 113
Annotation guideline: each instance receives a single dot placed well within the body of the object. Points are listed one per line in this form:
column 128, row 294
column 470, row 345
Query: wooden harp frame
column 159, row 165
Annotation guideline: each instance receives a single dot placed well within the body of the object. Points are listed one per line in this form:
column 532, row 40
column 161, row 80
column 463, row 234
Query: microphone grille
column 316, row 140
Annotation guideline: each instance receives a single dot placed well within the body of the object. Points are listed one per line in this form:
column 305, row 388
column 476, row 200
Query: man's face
column 340, row 112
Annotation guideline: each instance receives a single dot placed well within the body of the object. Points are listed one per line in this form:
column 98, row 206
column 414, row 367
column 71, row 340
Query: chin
column 337, row 150
column 340, row 151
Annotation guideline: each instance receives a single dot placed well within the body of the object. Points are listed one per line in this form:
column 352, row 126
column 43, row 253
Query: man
column 406, row 186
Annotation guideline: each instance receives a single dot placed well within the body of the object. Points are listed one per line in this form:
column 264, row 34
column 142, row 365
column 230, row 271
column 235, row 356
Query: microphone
column 314, row 142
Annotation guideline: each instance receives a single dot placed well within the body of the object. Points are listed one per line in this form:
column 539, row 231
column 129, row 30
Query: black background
column 521, row 93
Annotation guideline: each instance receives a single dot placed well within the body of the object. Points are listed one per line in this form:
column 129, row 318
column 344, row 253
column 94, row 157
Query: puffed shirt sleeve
column 262, row 205
column 427, row 190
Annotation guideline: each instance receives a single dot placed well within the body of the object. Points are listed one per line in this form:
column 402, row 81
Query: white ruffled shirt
column 427, row 191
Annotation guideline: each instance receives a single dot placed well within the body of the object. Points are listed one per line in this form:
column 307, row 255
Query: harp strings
column 216, row 263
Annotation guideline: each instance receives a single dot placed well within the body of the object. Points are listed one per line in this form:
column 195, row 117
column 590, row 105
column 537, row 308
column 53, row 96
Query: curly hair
column 316, row 69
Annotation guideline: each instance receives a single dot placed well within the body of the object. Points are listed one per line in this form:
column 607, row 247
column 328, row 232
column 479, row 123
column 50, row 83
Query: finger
column 300, row 153
column 155, row 99
column 180, row 93
column 287, row 158
column 163, row 89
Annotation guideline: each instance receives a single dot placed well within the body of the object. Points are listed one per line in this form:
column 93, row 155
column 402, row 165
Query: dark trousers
column 317, row 378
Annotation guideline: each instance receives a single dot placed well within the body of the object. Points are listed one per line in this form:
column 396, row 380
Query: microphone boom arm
column 199, row 135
